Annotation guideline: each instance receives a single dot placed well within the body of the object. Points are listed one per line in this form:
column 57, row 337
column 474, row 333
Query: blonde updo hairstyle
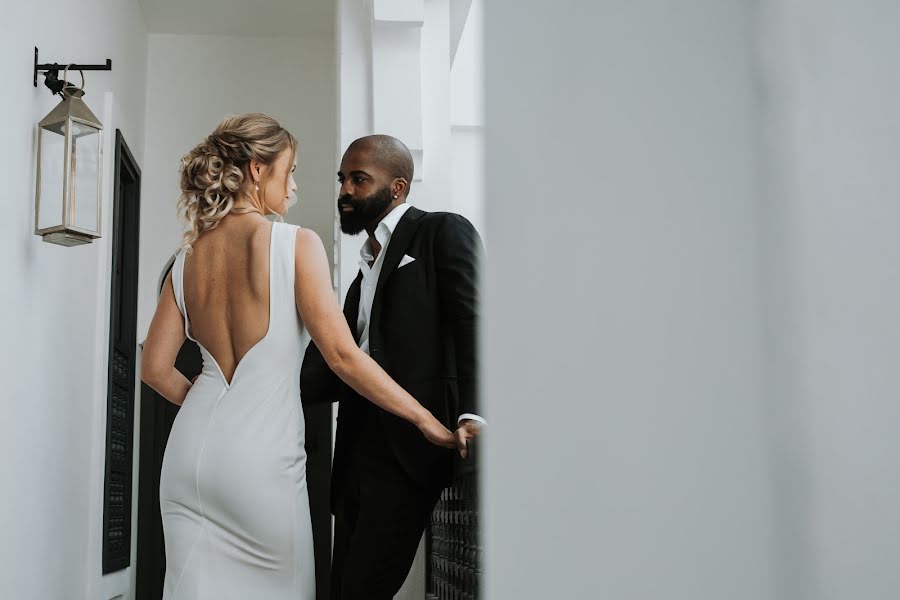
column 217, row 171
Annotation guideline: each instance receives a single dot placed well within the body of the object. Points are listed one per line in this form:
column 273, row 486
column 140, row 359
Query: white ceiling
column 250, row 18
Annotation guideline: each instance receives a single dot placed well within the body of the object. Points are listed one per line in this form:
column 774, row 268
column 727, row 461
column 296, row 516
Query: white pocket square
column 406, row 260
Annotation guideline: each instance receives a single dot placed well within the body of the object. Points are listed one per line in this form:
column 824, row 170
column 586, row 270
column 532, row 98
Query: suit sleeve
column 458, row 250
column 318, row 383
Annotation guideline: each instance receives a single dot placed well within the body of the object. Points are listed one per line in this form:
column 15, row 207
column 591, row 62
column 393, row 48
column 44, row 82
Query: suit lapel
column 397, row 247
column 400, row 239
column 351, row 305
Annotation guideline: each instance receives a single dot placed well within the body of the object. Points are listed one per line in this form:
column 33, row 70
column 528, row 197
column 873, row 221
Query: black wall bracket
column 51, row 71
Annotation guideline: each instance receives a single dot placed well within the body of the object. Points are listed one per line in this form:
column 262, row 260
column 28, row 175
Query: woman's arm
column 161, row 347
column 326, row 324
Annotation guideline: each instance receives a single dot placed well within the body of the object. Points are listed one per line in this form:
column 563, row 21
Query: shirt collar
column 383, row 231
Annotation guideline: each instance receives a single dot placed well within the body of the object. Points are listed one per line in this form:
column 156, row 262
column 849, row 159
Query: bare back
column 226, row 288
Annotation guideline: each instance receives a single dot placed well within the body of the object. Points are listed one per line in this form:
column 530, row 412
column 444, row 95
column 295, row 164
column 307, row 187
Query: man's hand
column 467, row 430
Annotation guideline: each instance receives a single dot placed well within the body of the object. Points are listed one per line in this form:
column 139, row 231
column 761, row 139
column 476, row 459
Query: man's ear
column 399, row 187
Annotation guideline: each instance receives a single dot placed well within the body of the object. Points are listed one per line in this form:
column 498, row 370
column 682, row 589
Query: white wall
column 54, row 308
column 713, row 188
column 193, row 83
column 624, row 376
column 832, row 98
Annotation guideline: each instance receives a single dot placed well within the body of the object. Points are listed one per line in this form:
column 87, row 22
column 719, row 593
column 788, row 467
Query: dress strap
column 282, row 279
column 178, row 288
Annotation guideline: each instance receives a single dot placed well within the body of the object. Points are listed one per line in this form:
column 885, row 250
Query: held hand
column 468, row 429
column 436, row 433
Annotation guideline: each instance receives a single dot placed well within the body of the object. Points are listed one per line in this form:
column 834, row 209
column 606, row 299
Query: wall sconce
column 69, row 162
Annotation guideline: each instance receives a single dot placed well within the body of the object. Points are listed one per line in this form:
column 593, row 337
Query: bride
column 250, row 293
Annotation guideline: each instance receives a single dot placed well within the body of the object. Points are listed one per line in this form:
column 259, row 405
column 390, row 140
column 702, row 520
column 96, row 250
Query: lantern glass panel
column 53, row 162
column 83, row 174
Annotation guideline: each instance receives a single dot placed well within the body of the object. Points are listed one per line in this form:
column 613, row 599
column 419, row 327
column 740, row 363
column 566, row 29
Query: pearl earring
column 257, row 187
column 395, row 196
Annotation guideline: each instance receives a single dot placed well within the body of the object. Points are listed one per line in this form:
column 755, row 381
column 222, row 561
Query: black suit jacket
column 423, row 331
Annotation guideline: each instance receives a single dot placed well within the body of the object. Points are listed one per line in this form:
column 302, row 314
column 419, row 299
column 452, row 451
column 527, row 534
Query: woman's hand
column 436, row 433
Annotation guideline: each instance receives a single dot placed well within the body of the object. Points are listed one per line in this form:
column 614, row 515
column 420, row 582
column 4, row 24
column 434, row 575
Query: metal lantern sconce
column 69, row 162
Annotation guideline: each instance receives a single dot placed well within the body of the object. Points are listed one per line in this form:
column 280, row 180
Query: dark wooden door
column 122, row 356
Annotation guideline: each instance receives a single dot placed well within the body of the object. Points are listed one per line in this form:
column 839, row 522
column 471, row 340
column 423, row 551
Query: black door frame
column 122, row 360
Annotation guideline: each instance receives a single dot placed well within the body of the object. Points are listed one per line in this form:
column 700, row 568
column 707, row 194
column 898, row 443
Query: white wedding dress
column 233, row 491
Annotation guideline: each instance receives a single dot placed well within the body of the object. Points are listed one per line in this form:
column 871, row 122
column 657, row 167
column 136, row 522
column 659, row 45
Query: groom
column 413, row 309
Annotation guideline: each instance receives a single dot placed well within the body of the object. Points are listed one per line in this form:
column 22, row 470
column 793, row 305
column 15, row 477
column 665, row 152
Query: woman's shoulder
column 308, row 249
column 307, row 237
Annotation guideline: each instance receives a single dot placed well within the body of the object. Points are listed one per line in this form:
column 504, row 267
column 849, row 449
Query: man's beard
column 364, row 212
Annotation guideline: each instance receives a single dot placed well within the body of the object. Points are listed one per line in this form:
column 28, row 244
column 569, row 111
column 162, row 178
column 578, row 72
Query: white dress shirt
column 370, row 275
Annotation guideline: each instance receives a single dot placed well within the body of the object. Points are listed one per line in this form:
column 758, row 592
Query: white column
column 832, row 98
column 397, row 72
column 624, row 374
column 355, row 117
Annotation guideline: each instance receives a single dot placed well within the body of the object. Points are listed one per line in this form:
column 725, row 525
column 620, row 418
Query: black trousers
column 380, row 514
